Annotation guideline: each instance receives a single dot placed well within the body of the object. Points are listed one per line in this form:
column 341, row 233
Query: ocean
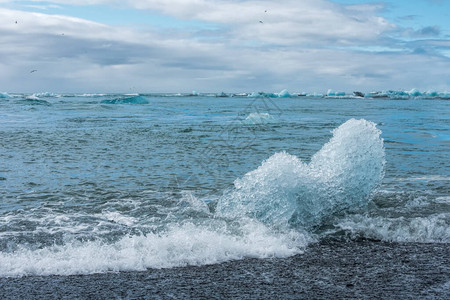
column 163, row 196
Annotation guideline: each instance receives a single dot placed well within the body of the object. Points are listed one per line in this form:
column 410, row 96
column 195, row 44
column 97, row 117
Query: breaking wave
column 188, row 244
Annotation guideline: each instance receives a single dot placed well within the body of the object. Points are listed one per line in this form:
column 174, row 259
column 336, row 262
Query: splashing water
column 284, row 191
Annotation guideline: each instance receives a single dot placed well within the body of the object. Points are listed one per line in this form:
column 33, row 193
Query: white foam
column 179, row 245
column 46, row 95
column 429, row 229
column 32, row 97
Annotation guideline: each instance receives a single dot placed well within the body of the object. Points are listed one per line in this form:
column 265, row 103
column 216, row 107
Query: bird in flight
column 32, row 71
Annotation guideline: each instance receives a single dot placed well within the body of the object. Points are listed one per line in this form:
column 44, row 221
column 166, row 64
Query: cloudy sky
column 224, row 45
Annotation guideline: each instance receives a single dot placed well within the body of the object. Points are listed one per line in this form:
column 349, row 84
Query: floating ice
column 332, row 93
column 255, row 94
column 258, row 118
column 284, row 94
column 4, row 95
column 432, row 93
column 414, row 93
column 222, row 95
column 444, row 95
column 285, row 191
column 315, row 95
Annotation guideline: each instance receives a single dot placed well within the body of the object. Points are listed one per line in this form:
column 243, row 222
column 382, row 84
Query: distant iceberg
column 222, row 95
column 315, row 95
column 414, row 93
column 432, row 93
column 332, row 93
column 444, row 95
column 4, row 95
column 262, row 94
column 284, row 94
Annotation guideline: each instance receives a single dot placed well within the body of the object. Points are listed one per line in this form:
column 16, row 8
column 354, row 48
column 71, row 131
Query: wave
column 284, row 191
column 127, row 100
column 33, row 100
column 188, row 244
column 427, row 229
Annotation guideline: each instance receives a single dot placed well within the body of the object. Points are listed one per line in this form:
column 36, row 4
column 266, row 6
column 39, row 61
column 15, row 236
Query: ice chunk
column 258, row 118
column 284, row 191
column 284, row 94
column 432, row 93
column 332, row 93
column 414, row 93
column 4, row 95
column 315, row 95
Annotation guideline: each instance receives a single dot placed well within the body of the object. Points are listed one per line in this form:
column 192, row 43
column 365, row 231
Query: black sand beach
column 328, row 269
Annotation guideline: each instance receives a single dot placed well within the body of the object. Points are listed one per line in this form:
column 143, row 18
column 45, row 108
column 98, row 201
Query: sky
column 145, row 46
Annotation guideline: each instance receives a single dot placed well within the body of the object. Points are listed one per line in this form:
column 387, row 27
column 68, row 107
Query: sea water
column 101, row 183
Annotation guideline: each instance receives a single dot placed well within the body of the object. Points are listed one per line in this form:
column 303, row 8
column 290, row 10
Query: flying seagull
column 261, row 22
column 32, row 71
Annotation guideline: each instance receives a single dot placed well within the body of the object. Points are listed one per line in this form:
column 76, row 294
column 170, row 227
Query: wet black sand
column 329, row 269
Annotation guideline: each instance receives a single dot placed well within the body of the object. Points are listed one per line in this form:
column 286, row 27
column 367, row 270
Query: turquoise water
column 98, row 183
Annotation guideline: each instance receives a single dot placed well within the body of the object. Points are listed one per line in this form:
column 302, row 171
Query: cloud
column 429, row 31
column 284, row 22
column 300, row 45
column 424, row 32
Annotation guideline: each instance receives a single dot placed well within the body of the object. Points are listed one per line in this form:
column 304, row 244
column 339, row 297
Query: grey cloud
column 429, row 31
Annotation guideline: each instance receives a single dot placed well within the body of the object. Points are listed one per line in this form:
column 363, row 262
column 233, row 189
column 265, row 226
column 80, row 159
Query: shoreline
column 329, row 268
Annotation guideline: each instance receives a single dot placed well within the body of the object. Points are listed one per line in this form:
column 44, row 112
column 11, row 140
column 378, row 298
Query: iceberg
column 222, row 95
column 414, row 93
column 432, row 93
column 284, row 94
column 286, row 192
column 315, row 95
column 332, row 93
column 444, row 95
column 258, row 119
column 4, row 95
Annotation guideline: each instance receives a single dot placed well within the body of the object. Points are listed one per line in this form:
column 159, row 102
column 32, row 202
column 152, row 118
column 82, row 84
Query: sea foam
column 179, row 245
